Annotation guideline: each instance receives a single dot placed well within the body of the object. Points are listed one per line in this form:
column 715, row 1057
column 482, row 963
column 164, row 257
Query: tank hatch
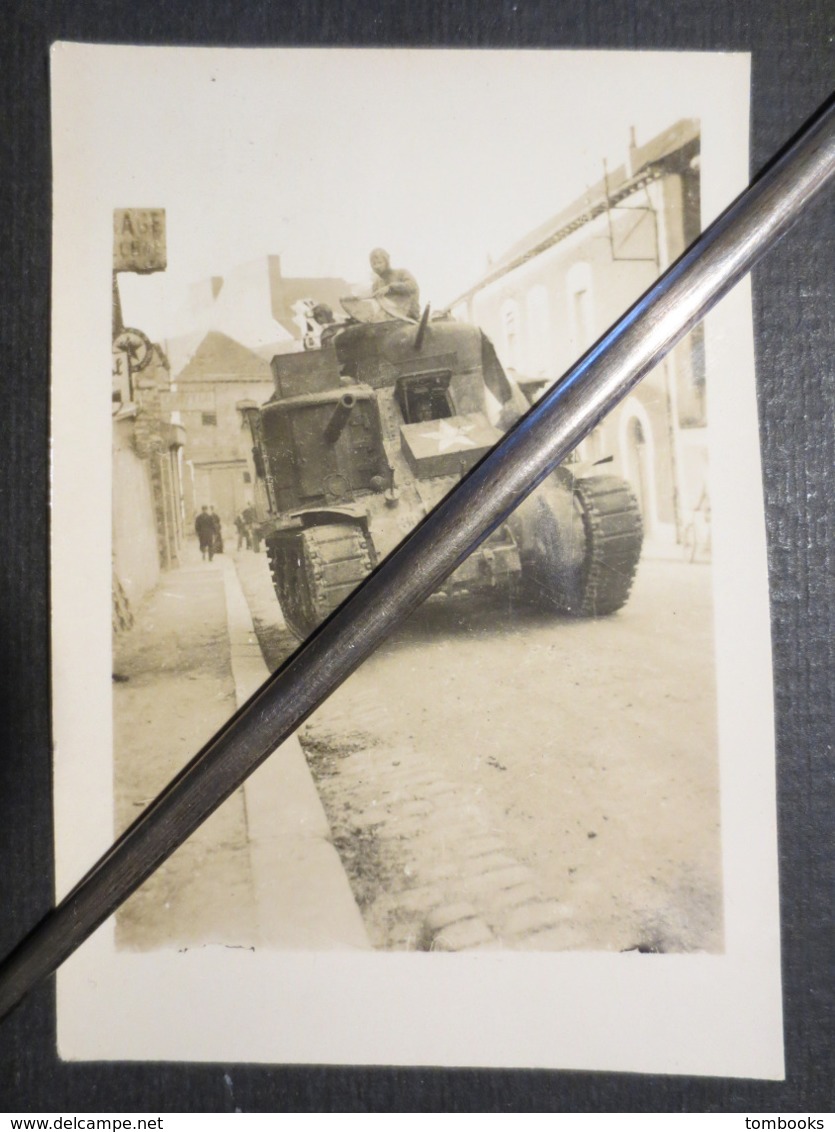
column 448, row 446
column 314, row 371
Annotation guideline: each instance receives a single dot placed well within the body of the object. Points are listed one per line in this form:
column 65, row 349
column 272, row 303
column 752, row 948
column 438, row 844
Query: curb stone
column 302, row 893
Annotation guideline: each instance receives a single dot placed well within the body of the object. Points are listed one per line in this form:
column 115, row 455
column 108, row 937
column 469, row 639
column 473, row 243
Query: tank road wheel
column 314, row 570
column 587, row 570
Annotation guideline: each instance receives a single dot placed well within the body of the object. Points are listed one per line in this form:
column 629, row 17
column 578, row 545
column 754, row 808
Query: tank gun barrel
column 344, row 408
column 526, row 455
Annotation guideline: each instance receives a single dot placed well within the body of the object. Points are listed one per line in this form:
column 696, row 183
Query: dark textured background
column 793, row 74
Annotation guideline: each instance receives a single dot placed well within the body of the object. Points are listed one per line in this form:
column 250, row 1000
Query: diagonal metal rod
column 525, row 456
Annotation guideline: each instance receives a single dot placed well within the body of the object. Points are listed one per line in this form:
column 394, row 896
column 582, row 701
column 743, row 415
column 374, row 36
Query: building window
column 538, row 332
column 510, row 332
column 582, row 317
column 697, row 355
column 247, row 477
column 581, row 306
column 692, row 401
column 208, row 418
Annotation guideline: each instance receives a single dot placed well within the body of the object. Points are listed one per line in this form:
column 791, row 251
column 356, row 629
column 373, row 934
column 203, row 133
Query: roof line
column 653, row 170
column 586, row 216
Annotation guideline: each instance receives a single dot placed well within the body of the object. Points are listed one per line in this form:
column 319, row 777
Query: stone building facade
column 217, row 457
column 552, row 295
column 147, row 497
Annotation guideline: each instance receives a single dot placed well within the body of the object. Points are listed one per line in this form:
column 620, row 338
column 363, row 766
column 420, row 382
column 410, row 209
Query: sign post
column 139, row 240
column 139, row 246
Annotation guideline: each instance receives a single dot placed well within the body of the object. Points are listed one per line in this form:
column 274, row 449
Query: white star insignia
column 449, row 436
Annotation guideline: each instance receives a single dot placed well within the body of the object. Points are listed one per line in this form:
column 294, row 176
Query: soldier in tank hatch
column 396, row 285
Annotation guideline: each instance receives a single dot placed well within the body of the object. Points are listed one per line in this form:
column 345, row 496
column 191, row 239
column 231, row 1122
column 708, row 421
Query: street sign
column 139, row 240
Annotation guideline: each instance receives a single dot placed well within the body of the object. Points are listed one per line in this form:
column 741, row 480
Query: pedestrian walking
column 243, row 532
column 250, row 519
column 217, row 529
column 205, row 529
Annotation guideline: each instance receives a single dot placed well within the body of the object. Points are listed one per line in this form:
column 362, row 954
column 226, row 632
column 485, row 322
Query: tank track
column 586, row 568
column 315, row 569
column 614, row 536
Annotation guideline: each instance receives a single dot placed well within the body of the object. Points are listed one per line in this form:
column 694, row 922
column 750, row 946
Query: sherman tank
column 367, row 431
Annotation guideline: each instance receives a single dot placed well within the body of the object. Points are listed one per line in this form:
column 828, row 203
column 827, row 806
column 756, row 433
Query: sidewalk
column 262, row 871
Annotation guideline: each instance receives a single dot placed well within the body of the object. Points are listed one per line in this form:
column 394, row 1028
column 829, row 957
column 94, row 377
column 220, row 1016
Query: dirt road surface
column 497, row 777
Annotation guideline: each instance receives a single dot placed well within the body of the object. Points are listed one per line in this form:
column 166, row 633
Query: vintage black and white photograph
column 326, row 290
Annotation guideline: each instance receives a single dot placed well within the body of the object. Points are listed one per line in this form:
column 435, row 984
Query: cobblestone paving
column 428, row 871
column 470, row 813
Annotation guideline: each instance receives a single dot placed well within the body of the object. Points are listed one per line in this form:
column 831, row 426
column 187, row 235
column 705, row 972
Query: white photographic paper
column 309, row 159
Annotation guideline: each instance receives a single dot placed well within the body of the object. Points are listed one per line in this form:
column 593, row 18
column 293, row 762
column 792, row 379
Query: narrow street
column 262, row 871
column 173, row 689
column 501, row 777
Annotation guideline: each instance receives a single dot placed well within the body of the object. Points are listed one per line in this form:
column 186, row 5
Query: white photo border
column 686, row 1014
